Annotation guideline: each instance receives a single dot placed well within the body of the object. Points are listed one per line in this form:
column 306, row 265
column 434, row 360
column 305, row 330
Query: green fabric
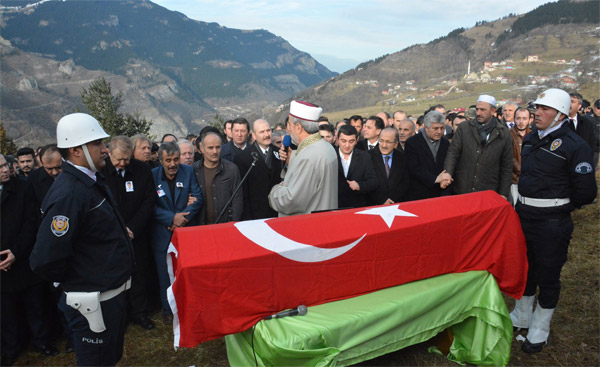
column 353, row 330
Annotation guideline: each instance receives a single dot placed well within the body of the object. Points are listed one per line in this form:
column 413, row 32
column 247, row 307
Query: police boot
column 521, row 314
column 539, row 329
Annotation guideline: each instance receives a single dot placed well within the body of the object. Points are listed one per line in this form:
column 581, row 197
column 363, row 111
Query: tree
column 218, row 122
column 136, row 124
column 104, row 106
column 7, row 145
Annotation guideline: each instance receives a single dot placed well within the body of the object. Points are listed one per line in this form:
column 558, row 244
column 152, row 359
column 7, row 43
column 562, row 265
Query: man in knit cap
column 310, row 182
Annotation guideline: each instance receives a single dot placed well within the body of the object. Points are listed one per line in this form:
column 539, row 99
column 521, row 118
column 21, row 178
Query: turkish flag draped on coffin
column 228, row 276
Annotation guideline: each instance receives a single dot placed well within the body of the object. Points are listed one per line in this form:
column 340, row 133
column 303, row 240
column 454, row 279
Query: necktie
column 120, row 172
column 511, row 125
column 387, row 165
column 572, row 124
column 371, row 147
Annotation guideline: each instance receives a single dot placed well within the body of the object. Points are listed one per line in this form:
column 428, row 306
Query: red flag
column 228, row 276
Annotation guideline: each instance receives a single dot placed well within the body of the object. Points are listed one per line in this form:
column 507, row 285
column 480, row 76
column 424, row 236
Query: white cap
column 487, row 99
column 305, row 111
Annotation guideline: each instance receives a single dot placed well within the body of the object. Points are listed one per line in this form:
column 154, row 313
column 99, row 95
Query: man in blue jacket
column 179, row 200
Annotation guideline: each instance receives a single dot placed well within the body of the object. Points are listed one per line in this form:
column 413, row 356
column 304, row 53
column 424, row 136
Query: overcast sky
column 340, row 34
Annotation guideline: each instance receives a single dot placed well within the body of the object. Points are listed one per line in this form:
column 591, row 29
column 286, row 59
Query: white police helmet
column 78, row 129
column 555, row 98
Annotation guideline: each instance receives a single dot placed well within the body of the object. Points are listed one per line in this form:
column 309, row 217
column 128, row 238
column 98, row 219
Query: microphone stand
column 254, row 159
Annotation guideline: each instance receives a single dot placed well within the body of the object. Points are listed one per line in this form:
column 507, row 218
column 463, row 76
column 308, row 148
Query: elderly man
column 425, row 154
column 356, row 176
column 265, row 174
column 218, row 179
column 174, row 184
column 517, row 133
column 556, row 177
column 508, row 114
column 186, row 149
column 480, row 155
column 142, row 149
column 240, row 130
column 130, row 182
column 310, row 182
column 370, row 131
column 390, row 167
column 406, row 129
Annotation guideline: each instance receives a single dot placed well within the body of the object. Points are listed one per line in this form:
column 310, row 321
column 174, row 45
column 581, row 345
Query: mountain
column 561, row 38
column 151, row 53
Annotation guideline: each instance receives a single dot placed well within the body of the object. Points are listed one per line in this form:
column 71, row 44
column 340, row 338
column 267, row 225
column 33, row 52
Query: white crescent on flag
column 259, row 232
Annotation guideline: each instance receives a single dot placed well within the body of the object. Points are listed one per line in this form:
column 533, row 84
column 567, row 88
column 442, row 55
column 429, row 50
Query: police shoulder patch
column 59, row 225
column 555, row 144
column 584, row 168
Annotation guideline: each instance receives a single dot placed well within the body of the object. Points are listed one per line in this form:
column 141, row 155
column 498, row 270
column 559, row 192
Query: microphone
column 254, row 156
column 287, row 141
column 300, row 310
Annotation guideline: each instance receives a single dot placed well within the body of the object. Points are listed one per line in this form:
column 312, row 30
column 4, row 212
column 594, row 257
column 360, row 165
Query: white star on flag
column 387, row 213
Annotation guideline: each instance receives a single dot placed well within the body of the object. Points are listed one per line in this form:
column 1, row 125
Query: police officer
column 556, row 177
column 83, row 243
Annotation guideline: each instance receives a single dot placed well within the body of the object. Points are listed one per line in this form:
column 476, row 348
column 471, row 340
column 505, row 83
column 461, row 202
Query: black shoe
column 69, row 347
column 144, row 322
column 531, row 348
column 47, row 350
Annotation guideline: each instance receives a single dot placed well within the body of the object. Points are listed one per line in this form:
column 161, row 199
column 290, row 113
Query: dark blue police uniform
column 83, row 243
column 556, row 177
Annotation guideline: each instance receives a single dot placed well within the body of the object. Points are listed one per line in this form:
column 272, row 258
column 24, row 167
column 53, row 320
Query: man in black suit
column 22, row 293
column 130, row 182
column 371, row 130
column 40, row 181
column 240, row 130
column 581, row 124
column 42, row 178
column 425, row 154
column 265, row 174
column 356, row 176
column 390, row 167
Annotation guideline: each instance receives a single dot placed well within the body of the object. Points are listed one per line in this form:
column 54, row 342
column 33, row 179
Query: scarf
column 485, row 130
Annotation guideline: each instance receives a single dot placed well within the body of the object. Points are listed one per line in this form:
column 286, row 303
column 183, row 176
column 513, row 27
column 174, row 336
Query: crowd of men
column 96, row 209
